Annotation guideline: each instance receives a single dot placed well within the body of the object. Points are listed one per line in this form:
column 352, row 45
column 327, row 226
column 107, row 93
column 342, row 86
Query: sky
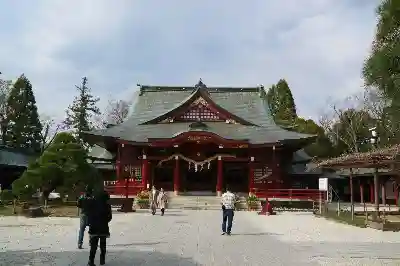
column 318, row 46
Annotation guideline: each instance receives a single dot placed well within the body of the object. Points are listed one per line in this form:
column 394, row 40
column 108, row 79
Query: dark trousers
column 162, row 211
column 94, row 242
column 227, row 215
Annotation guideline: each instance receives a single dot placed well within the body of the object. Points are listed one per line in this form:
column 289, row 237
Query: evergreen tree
column 23, row 123
column 281, row 102
column 322, row 147
column 61, row 166
column 80, row 113
column 382, row 67
column 272, row 98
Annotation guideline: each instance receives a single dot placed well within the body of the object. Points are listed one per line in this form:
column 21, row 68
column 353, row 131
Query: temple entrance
column 201, row 180
column 236, row 175
column 163, row 177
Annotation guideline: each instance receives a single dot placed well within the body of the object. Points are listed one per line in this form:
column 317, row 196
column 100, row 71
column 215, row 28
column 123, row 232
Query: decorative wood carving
column 199, row 138
column 262, row 174
column 132, row 171
column 199, row 111
column 200, row 100
column 230, row 121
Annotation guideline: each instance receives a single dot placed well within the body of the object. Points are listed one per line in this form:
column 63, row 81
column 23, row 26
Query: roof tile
column 245, row 103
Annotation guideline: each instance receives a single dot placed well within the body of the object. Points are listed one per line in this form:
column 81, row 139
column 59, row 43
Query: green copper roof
column 301, row 156
column 246, row 103
column 11, row 157
column 98, row 154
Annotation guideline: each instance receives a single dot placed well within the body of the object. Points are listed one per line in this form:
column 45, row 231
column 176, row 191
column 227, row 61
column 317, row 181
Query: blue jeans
column 227, row 215
column 83, row 223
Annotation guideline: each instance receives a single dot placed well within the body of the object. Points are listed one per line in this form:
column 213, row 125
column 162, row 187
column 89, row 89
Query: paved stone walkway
column 193, row 238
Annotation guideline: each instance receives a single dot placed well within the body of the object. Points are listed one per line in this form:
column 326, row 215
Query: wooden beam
column 351, row 194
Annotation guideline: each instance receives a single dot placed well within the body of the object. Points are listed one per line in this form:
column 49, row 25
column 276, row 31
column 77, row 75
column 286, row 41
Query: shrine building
column 200, row 138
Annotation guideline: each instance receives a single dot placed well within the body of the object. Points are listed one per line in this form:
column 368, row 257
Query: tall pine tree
column 281, row 103
column 80, row 113
column 23, row 123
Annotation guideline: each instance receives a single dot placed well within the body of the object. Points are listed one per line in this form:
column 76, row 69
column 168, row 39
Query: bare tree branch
column 49, row 131
column 5, row 87
column 344, row 122
column 377, row 105
column 115, row 113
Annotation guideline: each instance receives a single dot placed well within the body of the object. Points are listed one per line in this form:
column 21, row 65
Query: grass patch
column 62, row 211
column 52, row 211
column 7, row 210
column 344, row 217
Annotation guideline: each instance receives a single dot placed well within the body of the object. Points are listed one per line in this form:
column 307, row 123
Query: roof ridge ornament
column 198, row 125
column 200, row 84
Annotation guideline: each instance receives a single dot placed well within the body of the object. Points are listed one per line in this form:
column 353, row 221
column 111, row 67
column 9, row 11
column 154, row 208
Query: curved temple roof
column 247, row 106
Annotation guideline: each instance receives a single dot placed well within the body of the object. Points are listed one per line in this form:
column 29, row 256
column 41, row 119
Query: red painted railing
column 297, row 194
column 120, row 187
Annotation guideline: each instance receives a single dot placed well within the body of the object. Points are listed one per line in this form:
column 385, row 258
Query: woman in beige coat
column 162, row 201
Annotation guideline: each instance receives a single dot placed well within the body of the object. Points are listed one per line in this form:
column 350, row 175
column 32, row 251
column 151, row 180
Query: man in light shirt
column 228, row 206
column 153, row 200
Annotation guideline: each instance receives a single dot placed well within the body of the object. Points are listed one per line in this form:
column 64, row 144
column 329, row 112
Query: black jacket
column 84, row 202
column 98, row 218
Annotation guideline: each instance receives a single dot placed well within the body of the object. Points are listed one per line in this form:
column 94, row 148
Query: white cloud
column 317, row 45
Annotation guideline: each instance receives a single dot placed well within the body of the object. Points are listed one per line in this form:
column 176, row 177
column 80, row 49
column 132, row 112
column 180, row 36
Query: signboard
column 323, row 184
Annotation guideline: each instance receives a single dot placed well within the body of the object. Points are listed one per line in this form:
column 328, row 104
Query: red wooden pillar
column 383, row 193
column 145, row 171
column 118, row 169
column 219, row 177
column 118, row 163
column 361, row 192
column 127, row 187
column 176, row 176
column 371, row 192
column 251, row 175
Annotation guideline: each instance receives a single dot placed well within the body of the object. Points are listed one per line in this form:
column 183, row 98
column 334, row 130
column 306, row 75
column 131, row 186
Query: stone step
column 194, row 202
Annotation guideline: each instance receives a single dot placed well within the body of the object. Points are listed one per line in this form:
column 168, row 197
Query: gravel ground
column 193, row 238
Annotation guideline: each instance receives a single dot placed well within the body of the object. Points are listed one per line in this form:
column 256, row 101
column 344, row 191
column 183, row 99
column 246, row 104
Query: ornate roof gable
column 199, row 107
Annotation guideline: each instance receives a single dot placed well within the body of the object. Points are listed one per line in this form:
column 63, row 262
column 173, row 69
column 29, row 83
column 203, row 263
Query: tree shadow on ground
column 123, row 257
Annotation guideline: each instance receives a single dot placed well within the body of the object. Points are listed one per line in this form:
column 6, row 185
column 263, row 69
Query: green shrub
column 252, row 199
column 344, row 217
column 142, row 200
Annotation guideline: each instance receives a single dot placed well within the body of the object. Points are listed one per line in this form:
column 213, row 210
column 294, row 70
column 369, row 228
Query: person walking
column 99, row 217
column 228, row 207
column 153, row 200
column 162, row 200
column 83, row 204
